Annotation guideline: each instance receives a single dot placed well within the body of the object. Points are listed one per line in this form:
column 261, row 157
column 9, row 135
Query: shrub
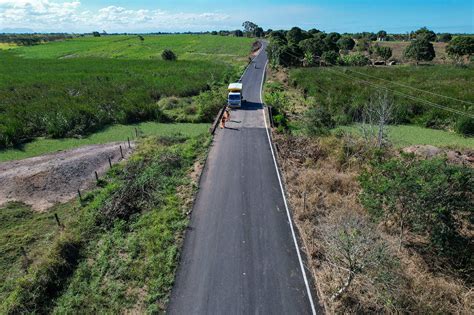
column 318, row 121
column 426, row 197
column 208, row 104
column 355, row 60
column 461, row 46
column 383, row 52
column 168, row 55
column 330, row 57
column 465, row 126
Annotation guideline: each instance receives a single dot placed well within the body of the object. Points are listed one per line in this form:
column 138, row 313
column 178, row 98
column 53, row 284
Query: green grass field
column 21, row 227
column 343, row 92
column 75, row 87
column 109, row 134
column 406, row 135
column 187, row 47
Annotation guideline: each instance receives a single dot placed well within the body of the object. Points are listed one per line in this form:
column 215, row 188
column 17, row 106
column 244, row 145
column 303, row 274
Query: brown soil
column 54, row 178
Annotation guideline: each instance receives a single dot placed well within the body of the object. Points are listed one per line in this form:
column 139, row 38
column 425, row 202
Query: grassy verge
column 405, row 135
column 109, row 134
column 121, row 249
column 24, row 229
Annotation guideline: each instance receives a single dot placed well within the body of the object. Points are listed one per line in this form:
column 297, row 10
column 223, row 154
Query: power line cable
column 411, row 87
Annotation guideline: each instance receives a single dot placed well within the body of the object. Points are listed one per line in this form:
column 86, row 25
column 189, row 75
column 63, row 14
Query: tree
column 295, row 35
column 259, row 32
column 381, row 35
column 425, row 33
column 346, row 43
column 363, row 44
column 314, row 31
column 331, row 41
column 313, row 46
column 141, row 38
column 214, row 33
column 238, row 33
column 461, row 46
column 445, row 37
column 168, row 55
column 249, row 27
column 383, row 52
column 330, row 57
column 278, row 37
column 96, row 34
column 420, row 50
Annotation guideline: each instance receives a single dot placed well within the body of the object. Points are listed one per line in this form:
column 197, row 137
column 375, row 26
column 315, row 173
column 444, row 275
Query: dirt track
column 54, row 178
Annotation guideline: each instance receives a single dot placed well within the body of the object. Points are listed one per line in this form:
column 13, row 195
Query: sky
column 141, row 16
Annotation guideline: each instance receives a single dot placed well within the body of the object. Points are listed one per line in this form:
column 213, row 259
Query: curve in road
column 239, row 254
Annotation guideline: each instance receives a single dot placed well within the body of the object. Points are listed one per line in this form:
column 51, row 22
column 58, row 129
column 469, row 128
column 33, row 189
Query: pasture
column 187, row 47
column 346, row 90
column 74, row 87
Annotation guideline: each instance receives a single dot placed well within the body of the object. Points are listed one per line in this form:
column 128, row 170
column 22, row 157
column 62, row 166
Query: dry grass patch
column 321, row 178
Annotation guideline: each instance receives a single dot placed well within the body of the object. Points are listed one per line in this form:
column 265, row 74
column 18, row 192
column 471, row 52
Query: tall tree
column 420, row 50
column 249, row 27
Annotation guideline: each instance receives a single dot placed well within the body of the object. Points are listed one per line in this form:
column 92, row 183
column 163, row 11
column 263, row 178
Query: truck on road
column 235, row 98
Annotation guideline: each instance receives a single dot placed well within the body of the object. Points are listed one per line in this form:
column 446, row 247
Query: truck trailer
column 235, row 97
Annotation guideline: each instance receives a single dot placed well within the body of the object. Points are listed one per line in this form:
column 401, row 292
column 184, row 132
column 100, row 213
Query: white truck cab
column 235, row 98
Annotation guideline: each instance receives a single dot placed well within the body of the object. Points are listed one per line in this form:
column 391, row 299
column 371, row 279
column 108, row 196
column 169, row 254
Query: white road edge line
column 284, row 198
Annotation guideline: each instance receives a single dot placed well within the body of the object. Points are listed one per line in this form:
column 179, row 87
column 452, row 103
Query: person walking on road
column 225, row 117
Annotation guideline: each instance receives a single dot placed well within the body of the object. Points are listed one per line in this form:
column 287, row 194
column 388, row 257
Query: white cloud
column 45, row 15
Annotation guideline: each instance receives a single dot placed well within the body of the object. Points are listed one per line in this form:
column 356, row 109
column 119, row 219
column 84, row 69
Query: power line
column 406, row 95
column 399, row 93
column 411, row 87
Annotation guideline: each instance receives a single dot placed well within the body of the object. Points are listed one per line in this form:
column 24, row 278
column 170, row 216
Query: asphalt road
column 239, row 253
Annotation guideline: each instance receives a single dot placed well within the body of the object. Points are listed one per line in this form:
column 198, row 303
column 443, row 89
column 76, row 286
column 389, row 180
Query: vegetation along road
column 240, row 252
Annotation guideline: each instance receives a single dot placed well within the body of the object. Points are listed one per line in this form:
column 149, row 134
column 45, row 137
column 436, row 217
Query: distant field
column 399, row 47
column 344, row 93
column 7, row 46
column 187, row 47
column 403, row 136
column 114, row 133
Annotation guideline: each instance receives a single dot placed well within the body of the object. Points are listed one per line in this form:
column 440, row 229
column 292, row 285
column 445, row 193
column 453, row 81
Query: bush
column 330, row 57
column 208, row 104
column 318, row 121
column 426, row 197
column 168, row 55
column 355, row 60
column 383, row 52
column 465, row 126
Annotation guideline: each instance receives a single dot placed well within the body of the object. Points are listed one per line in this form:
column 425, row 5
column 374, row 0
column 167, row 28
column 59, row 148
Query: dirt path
column 55, row 178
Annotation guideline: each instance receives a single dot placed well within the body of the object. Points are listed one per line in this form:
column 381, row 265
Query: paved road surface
column 239, row 254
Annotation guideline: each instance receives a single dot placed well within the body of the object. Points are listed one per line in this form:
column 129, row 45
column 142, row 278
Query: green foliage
column 426, row 197
column 356, row 59
column 465, row 126
column 383, row 52
column 209, row 103
column 425, row 33
column 330, row 57
column 75, row 97
column 347, row 97
column 346, row 43
column 106, row 251
column 96, row 34
column 461, row 46
column 318, row 121
column 168, row 55
column 331, row 41
column 313, row 46
column 295, row 36
column 363, row 44
column 420, row 50
column 382, row 35
column 445, row 37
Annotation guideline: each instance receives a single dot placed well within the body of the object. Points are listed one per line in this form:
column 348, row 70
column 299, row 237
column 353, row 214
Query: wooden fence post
column 57, row 219
column 110, row 162
column 121, row 152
